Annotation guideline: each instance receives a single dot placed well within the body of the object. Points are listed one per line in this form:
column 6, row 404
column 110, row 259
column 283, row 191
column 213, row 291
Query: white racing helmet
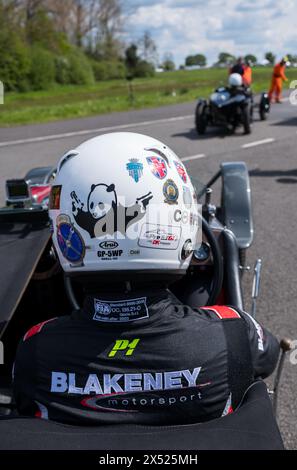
column 235, row 80
column 123, row 202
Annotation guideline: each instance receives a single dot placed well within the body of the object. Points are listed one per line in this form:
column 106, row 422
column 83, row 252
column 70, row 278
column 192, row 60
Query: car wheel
column 246, row 119
column 263, row 114
column 201, row 119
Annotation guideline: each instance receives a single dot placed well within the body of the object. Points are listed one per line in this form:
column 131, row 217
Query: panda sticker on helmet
column 98, row 194
column 102, row 214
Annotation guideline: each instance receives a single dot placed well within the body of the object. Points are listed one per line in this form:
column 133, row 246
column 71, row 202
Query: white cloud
column 185, row 27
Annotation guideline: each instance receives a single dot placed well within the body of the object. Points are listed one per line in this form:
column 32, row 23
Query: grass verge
column 69, row 102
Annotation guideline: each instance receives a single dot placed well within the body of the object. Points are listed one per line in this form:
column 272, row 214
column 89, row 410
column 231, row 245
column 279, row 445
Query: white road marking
column 32, row 140
column 194, row 157
column 258, row 142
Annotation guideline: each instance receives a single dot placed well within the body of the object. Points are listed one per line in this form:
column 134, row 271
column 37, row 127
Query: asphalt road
column 270, row 153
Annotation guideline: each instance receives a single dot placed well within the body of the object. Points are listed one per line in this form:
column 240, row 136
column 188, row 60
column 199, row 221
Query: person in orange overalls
column 278, row 78
column 247, row 74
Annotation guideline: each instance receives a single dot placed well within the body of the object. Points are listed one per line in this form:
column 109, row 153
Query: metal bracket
column 236, row 202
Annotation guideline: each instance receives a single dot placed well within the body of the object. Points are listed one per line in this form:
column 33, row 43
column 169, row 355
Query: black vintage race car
column 33, row 288
column 231, row 108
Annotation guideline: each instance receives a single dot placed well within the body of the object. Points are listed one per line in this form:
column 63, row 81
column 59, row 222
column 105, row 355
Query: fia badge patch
column 158, row 167
column 135, row 169
column 181, row 171
column 171, row 192
column 120, row 310
column 70, row 243
column 55, row 197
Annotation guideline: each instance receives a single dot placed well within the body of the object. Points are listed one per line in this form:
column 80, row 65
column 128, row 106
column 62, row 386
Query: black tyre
column 263, row 113
column 201, row 119
column 246, row 119
column 252, row 113
column 264, row 106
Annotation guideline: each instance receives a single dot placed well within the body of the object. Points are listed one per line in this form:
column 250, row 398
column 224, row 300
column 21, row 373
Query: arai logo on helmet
column 108, row 245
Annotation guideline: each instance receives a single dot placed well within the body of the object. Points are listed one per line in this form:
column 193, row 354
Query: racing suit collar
column 151, row 304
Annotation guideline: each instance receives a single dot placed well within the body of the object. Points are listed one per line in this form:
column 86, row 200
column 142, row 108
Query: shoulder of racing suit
column 222, row 312
column 214, row 312
column 36, row 329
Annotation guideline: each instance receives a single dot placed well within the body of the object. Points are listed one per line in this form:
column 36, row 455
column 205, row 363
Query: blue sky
column 184, row 27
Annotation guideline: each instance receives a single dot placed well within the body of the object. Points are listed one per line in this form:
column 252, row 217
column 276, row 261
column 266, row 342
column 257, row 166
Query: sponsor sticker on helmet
column 181, row 171
column 171, row 192
column 70, row 243
column 102, row 214
column 186, row 218
column 120, row 310
column 160, row 154
column 162, row 237
column 109, row 251
column 55, row 197
column 134, row 252
column 158, row 167
column 187, row 197
column 135, row 169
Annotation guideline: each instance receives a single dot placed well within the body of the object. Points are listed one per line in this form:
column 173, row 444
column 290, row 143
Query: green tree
column 108, row 24
column 198, row 59
column 14, row 58
column 148, row 48
column 144, row 69
column 292, row 58
column 136, row 67
column 270, row 57
column 80, row 69
column 42, row 73
column 168, row 63
column 40, row 29
column 251, row 58
column 225, row 58
column 108, row 70
column 45, row 41
column 131, row 59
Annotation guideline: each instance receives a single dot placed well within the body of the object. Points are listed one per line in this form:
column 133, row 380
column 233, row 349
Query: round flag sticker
column 71, row 243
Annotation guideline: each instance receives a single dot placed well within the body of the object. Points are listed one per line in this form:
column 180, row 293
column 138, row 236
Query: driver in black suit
column 134, row 353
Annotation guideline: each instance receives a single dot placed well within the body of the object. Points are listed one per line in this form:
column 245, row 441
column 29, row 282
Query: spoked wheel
column 263, row 113
column 264, row 107
column 201, row 118
column 246, row 119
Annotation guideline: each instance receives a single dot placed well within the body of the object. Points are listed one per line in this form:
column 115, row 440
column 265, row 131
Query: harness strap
column 240, row 364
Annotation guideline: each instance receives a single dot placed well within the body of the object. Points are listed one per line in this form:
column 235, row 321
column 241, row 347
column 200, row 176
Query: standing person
column 238, row 67
column 278, row 78
column 247, row 74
